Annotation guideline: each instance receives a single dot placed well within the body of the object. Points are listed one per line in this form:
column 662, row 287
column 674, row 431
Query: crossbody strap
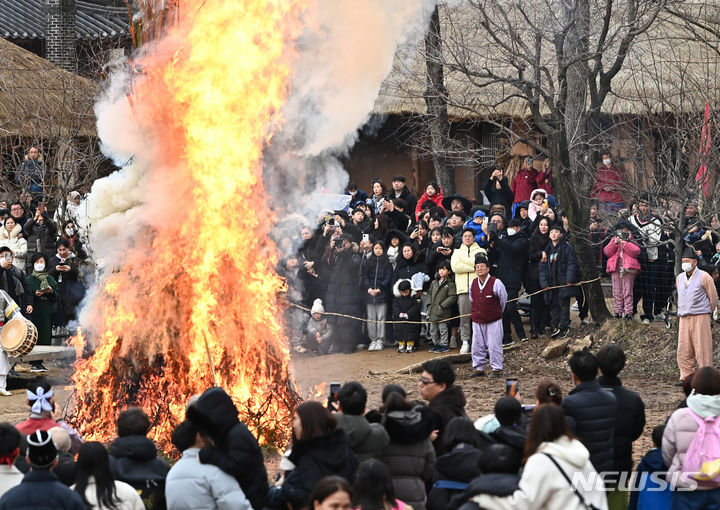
column 582, row 500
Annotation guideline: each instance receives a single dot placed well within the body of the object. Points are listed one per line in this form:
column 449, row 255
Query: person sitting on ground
column 648, row 494
column 10, row 476
column 455, row 469
column 134, row 459
column 511, row 431
column 191, row 484
column 373, row 489
column 96, row 485
column 65, row 469
column 41, row 400
column 445, row 399
column 40, row 488
column 591, row 411
column 366, row 440
column 318, row 330
column 331, row 493
column 233, row 449
column 553, row 456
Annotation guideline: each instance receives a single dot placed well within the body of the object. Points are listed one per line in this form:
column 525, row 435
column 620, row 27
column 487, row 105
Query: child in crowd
column 441, row 298
column 648, row 497
column 374, row 488
column 476, row 223
column 406, row 308
column 318, row 331
column 623, row 265
column 715, row 260
column 558, row 270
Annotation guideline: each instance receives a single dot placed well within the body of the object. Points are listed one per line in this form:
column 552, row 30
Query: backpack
column 702, row 460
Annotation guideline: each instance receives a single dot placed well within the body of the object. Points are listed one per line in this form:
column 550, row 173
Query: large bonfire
column 194, row 302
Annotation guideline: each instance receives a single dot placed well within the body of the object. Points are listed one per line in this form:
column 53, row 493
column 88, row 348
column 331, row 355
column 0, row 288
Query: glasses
column 425, row 382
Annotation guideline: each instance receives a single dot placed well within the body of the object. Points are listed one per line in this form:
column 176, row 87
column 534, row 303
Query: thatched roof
column 667, row 69
column 38, row 99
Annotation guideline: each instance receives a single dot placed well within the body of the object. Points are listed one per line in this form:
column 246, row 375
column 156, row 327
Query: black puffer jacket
column 446, row 405
column 410, row 455
column 341, row 272
column 515, row 437
column 494, row 484
column 509, row 258
column 591, row 412
column 237, row 451
column 631, row 420
column 461, row 464
column 503, row 196
column 314, row 459
column 409, row 328
column 536, row 246
column 41, row 490
column 405, row 269
column 377, row 274
column 134, row 460
column 564, row 270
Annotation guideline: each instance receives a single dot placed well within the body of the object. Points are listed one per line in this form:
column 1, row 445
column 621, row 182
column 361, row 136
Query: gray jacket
column 366, row 440
column 191, row 485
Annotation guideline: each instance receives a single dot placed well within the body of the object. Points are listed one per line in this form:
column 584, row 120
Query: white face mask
column 607, row 162
column 511, row 231
column 69, row 231
column 39, row 267
column 353, row 193
column 687, row 266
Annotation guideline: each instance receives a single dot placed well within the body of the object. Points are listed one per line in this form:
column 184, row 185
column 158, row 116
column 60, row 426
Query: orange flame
column 199, row 292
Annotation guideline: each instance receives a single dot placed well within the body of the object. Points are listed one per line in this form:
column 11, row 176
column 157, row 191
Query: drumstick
column 212, row 366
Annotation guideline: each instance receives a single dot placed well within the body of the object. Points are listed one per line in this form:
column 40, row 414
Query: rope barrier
column 363, row 319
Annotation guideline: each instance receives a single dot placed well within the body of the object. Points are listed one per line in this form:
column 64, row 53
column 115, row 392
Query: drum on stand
column 18, row 337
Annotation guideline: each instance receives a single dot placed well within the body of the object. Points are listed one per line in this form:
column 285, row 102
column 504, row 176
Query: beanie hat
column 317, row 306
column 515, row 222
column 479, row 214
column 61, row 439
column 41, row 451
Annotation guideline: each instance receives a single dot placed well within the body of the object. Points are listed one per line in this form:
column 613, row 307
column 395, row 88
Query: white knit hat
column 317, row 306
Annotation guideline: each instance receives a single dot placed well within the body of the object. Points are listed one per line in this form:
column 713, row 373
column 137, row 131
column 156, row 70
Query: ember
column 190, row 306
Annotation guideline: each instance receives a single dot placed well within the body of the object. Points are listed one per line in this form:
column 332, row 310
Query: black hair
column 556, row 226
column 436, row 229
column 427, row 204
column 34, row 385
column 351, row 186
column 395, row 402
column 481, row 258
column 441, row 370
column 455, row 213
column 399, row 202
column 399, row 178
column 404, row 285
column 184, row 435
column 328, row 486
column 17, row 203
column 499, row 215
column 353, row 398
column 373, row 486
column 461, row 429
column 435, row 217
column 611, row 360
column 435, row 186
column 499, row 458
column 508, row 411
column 584, row 365
column 133, row 422
column 448, row 232
column 37, row 256
column 468, row 229
column 62, row 242
column 657, row 435
column 4, row 249
column 9, row 439
column 392, row 388
column 93, row 461
column 445, row 264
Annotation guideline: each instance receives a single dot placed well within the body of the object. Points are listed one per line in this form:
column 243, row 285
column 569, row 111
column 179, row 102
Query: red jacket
column 437, row 198
column 524, row 182
column 32, row 424
column 608, row 185
column 545, row 181
column 629, row 252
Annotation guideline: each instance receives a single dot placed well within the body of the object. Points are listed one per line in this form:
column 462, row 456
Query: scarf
column 10, row 458
column 43, row 277
column 704, row 405
column 12, row 286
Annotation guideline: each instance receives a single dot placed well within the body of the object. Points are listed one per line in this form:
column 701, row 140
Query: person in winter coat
column 377, row 280
column 703, row 405
column 10, row 237
column 409, row 263
column 608, row 185
column 651, row 235
column 410, row 455
column 553, row 455
column 477, row 224
column 463, row 265
column 134, row 459
column 524, row 181
column 560, row 268
column 376, row 200
column 45, row 289
column 10, row 475
column 399, row 190
column 511, row 431
column 234, row 449
column 456, row 468
column 538, row 203
column 498, row 191
column 41, row 233
column 357, row 196
column 63, row 266
column 191, row 484
column 318, row 332
column 591, row 411
column 545, row 177
column 440, row 251
column 319, row 449
column 536, row 247
column 441, row 300
column 40, row 488
column 406, row 308
column 488, row 298
column 445, row 399
column 374, row 489
column 623, row 265
column 366, row 440
column 433, row 193
column 96, row 485
column 648, row 494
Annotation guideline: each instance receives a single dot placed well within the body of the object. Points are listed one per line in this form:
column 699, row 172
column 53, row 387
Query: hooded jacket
column 624, row 254
column 236, row 450
column 314, row 459
column 461, row 464
column 441, row 299
column 366, row 440
column 510, row 253
column 543, row 486
column 134, row 460
column 446, row 405
column 649, row 495
column 409, row 456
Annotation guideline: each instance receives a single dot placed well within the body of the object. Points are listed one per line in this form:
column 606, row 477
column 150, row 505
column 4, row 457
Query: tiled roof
column 25, row 19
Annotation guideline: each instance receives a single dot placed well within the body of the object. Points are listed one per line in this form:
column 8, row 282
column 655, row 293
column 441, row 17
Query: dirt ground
column 650, row 371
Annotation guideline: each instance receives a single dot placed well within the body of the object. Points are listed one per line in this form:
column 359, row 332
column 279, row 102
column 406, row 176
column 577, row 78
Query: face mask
column 607, row 162
column 687, row 266
column 39, row 267
column 511, row 231
column 353, row 193
column 69, row 231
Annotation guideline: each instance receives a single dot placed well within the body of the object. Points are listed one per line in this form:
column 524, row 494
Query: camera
column 622, row 235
